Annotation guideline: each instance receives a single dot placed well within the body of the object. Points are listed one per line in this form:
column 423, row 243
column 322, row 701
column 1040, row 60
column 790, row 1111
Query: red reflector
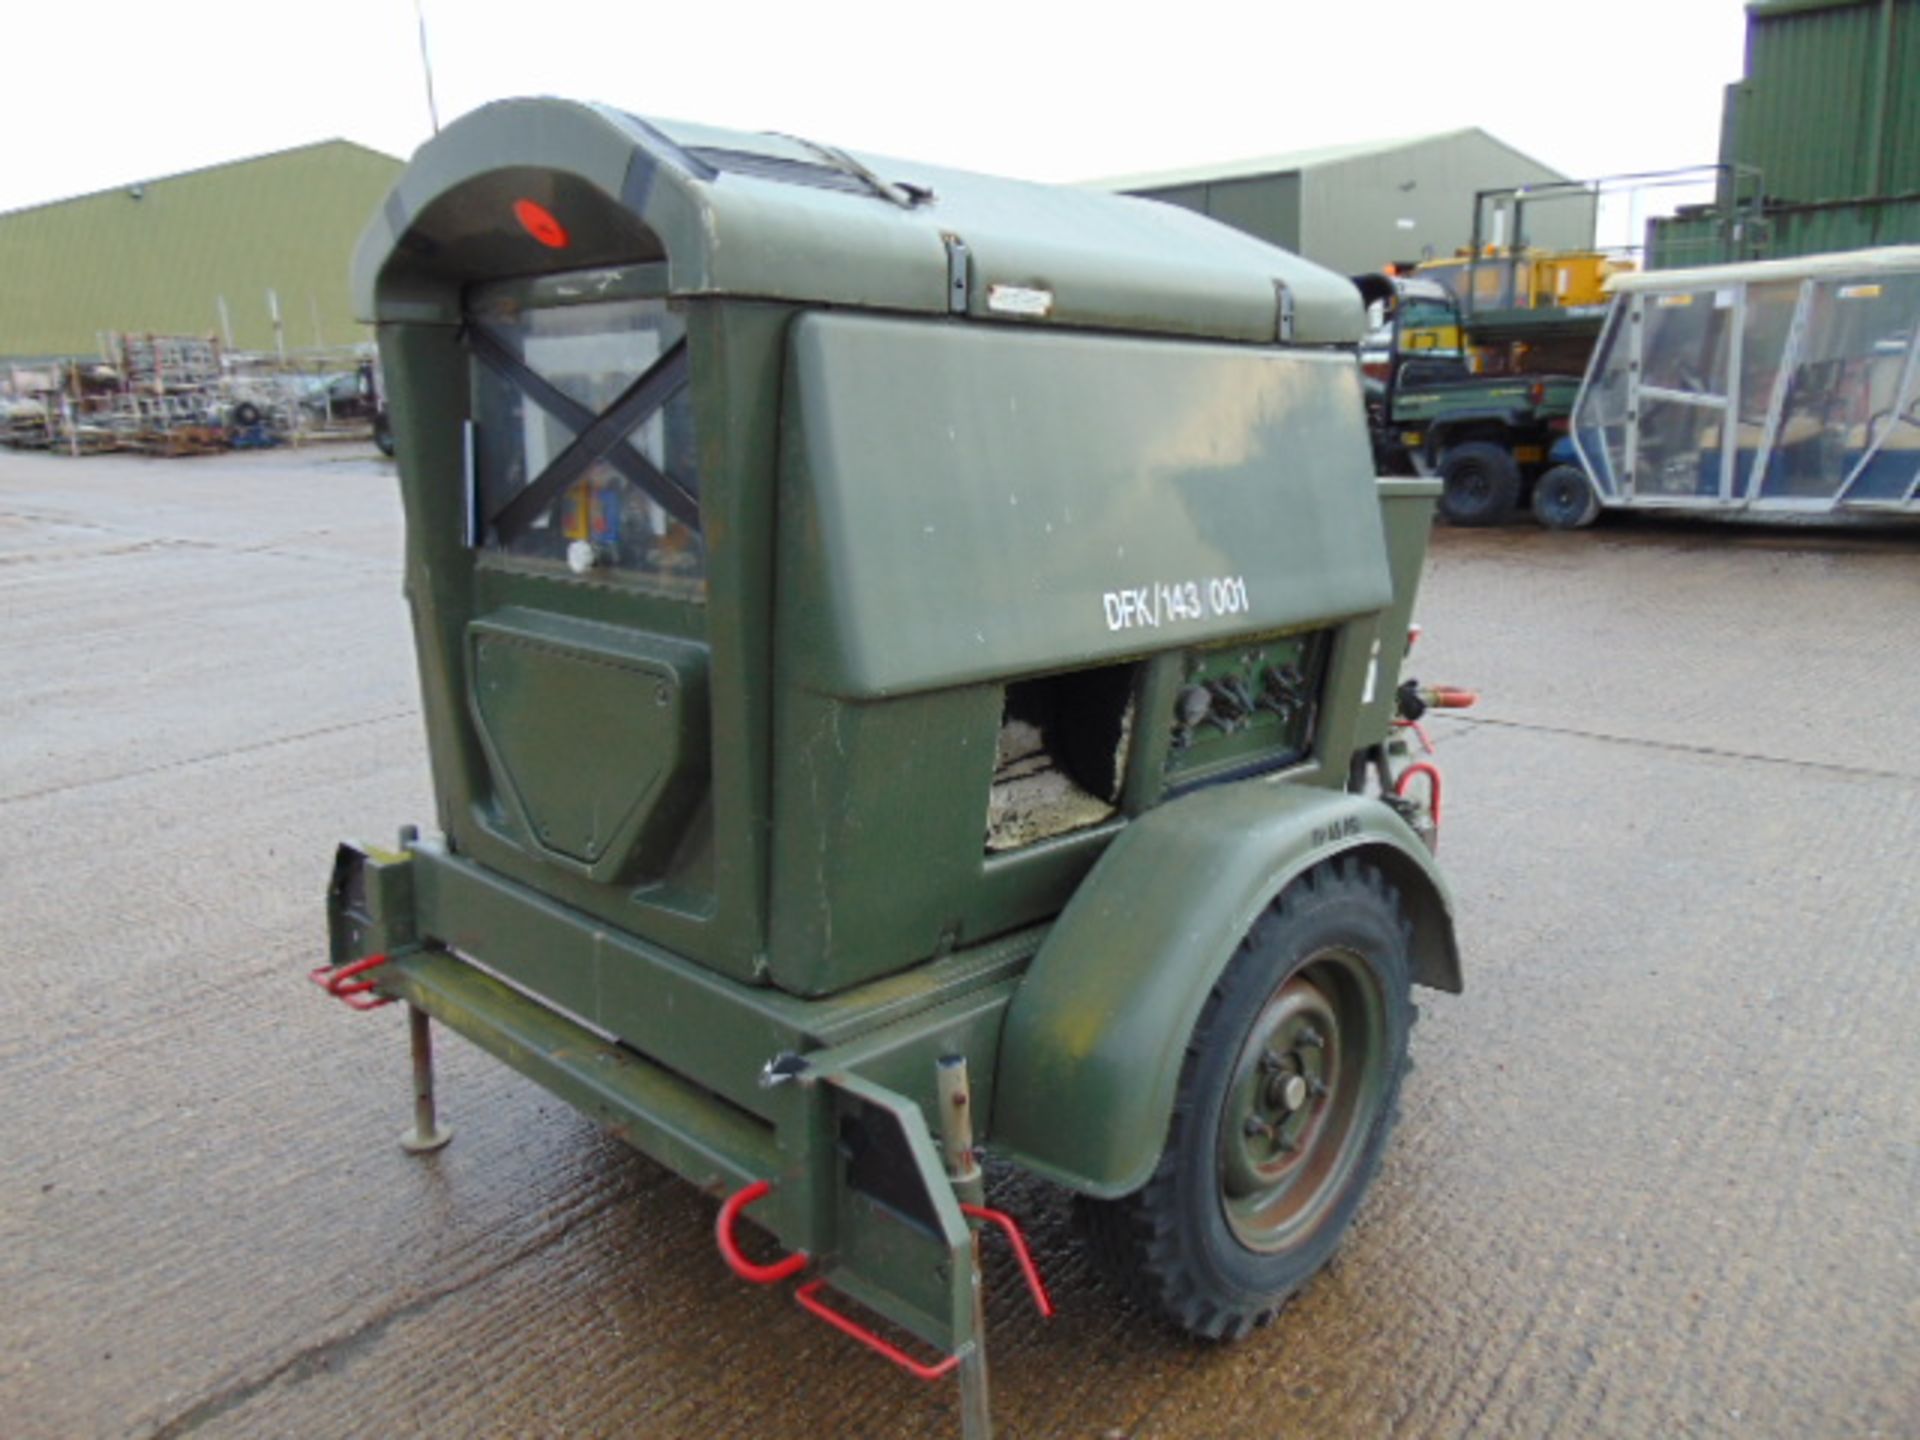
column 538, row 222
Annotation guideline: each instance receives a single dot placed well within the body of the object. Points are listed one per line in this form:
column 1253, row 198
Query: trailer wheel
column 1564, row 499
column 1479, row 483
column 1286, row 1097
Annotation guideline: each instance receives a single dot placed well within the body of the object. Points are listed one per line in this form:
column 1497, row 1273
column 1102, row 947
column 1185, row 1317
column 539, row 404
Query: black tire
column 383, row 433
column 1479, row 483
column 246, row 415
column 1219, row 1238
column 1564, row 499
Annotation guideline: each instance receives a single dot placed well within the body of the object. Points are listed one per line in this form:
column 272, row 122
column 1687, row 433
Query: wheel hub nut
column 1293, row 1092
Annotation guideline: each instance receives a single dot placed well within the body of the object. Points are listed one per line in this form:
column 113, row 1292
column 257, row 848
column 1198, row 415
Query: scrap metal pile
column 185, row 395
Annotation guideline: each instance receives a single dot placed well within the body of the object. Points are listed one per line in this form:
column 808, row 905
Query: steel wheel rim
column 1474, row 483
column 1301, row 1100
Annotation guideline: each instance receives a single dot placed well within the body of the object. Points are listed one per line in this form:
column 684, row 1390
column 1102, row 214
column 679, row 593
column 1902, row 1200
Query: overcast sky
column 109, row 92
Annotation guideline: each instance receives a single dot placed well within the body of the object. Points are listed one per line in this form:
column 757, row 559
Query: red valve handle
column 1432, row 772
column 335, row 981
column 809, row 1297
column 1449, row 697
column 1021, row 1253
column 730, row 1250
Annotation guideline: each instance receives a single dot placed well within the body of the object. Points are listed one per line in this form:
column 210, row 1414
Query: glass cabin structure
column 1784, row 385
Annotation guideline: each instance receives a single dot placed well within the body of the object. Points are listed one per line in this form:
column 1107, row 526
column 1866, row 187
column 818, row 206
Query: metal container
column 1830, row 106
column 1827, row 123
column 1781, row 232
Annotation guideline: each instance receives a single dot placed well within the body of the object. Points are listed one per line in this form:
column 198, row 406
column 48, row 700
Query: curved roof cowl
column 775, row 217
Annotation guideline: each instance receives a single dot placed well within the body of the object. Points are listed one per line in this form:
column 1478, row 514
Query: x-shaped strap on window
column 596, row 437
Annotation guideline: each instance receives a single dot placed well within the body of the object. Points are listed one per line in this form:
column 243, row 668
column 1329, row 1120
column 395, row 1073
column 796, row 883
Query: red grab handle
column 730, row 1250
column 809, row 1297
column 1432, row 772
column 1021, row 1253
column 342, row 983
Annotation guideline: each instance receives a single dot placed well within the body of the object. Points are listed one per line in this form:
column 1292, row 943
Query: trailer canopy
column 770, row 216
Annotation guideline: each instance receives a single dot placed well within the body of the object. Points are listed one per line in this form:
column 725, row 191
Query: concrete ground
column 1659, row 1169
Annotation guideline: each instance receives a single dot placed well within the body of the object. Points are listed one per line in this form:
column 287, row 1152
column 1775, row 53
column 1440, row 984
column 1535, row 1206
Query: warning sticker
column 1019, row 300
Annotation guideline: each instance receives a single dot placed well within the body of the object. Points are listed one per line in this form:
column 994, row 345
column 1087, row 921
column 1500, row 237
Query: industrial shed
column 1820, row 138
column 1359, row 207
column 199, row 253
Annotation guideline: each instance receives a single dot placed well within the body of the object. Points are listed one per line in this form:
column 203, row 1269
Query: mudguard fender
column 1097, row 1032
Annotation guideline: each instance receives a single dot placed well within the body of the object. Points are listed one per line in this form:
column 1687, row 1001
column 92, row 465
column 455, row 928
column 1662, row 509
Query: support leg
column 963, row 1169
column 427, row 1134
column 976, row 1420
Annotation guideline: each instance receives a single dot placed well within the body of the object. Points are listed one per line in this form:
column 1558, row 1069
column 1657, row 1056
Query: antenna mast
column 426, row 65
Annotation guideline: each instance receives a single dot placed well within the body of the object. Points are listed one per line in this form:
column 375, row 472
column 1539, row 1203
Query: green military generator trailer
column 910, row 663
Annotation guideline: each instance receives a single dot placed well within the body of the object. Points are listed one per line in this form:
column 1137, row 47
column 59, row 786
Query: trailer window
column 1601, row 413
column 1686, row 341
column 584, row 446
column 1763, row 344
column 1846, row 402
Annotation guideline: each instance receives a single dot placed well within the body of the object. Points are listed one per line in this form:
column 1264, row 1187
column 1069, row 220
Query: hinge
column 473, row 514
column 956, row 272
column 1283, row 312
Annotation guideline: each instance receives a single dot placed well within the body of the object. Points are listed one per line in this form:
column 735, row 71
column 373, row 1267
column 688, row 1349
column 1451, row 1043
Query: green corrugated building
column 162, row 256
column 1825, row 126
column 1358, row 207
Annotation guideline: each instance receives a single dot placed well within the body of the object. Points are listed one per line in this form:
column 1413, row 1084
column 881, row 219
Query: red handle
column 1024, row 1256
column 808, row 1294
column 730, row 1250
column 1432, row 772
column 341, row 982
column 1448, row 697
column 809, row 1297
